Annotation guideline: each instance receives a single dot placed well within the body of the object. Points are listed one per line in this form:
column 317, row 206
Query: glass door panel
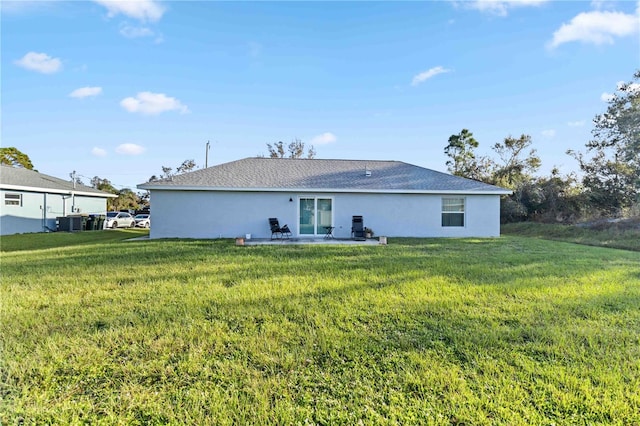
column 307, row 216
column 324, row 215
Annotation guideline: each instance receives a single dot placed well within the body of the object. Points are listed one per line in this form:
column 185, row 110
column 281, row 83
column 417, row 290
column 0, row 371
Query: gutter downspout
column 44, row 213
column 64, row 203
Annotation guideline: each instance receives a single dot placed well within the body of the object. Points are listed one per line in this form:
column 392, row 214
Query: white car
column 143, row 220
column 119, row 220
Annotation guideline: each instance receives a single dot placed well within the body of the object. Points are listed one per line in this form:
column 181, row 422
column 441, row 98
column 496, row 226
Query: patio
column 300, row 241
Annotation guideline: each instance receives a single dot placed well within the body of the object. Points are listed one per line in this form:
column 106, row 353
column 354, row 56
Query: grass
column 36, row 241
column 612, row 235
column 422, row 331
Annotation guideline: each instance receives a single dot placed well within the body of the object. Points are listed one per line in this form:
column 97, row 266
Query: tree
column 276, row 150
column 296, row 149
column 517, row 165
column 553, row 198
column 463, row 161
column 612, row 172
column 167, row 172
column 561, row 199
column 127, row 200
column 515, row 170
column 103, row 185
column 15, row 158
column 106, row 186
column 186, row 166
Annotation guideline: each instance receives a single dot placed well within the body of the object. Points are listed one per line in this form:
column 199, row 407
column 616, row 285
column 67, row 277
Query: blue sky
column 120, row 89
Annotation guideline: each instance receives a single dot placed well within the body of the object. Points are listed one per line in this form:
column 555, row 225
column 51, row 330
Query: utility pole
column 206, row 155
column 73, row 195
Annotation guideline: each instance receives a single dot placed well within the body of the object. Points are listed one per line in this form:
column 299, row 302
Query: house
column 396, row 199
column 31, row 201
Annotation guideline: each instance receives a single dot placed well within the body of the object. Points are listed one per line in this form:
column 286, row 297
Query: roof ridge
column 318, row 159
column 266, row 173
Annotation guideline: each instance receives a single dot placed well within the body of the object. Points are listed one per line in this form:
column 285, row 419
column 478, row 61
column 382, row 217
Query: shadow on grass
column 423, row 320
column 53, row 240
column 469, row 262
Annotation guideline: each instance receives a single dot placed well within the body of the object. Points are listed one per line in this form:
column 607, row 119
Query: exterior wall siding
column 38, row 211
column 211, row 214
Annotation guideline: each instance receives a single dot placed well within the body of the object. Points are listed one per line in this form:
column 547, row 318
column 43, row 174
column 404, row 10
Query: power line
column 115, row 185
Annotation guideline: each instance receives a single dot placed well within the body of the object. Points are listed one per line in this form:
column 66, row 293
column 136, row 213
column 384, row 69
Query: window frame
column 13, row 199
column 316, row 231
column 448, row 216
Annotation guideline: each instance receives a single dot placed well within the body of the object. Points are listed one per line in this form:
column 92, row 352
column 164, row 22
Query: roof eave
column 56, row 191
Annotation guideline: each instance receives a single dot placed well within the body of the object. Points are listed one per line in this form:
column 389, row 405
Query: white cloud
column 135, row 32
column 40, row 62
column 500, row 7
column 324, row 139
column 549, row 133
column 148, row 103
column 99, row 152
column 596, row 27
column 142, row 10
column 84, row 92
column 424, row 76
column 579, row 123
column 129, row 149
column 606, row 97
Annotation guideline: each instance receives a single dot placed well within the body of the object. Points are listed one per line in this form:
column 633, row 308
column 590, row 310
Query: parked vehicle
column 143, row 220
column 119, row 220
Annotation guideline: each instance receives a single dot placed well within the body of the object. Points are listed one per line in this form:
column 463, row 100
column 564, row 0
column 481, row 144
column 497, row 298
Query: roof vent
column 367, row 172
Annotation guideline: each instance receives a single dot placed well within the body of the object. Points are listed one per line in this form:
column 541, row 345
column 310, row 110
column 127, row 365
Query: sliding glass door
column 307, row 216
column 315, row 214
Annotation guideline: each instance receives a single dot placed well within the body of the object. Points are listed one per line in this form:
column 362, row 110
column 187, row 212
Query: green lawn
column 614, row 235
column 23, row 242
column 422, row 331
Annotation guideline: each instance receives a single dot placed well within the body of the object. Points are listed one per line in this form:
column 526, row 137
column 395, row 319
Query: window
column 453, row 212
column 12, row 199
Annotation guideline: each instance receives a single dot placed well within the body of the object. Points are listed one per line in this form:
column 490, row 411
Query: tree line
column 610, row 165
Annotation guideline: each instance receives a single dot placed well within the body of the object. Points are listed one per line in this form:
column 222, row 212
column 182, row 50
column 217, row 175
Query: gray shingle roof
column 316, row 174
column 23, row 179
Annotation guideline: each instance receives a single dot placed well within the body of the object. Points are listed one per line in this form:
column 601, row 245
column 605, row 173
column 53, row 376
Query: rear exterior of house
column 395, row 199
column 32, row 202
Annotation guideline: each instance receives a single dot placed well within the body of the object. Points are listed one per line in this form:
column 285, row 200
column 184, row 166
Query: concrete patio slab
column 300, row 241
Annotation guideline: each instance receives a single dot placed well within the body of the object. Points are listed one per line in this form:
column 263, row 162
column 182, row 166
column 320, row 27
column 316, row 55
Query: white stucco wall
column 209, row 214
column 38, row 210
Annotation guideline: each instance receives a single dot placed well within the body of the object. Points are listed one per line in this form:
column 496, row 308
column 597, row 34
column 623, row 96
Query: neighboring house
column 395, row 199
column 31, row 201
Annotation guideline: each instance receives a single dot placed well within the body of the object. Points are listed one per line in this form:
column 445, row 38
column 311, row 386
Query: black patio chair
column 276, row 229
column 357, row 228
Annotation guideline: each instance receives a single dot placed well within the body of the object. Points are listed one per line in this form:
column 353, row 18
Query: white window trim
column 315, row 206
column 10, row 201
column 464, row 211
